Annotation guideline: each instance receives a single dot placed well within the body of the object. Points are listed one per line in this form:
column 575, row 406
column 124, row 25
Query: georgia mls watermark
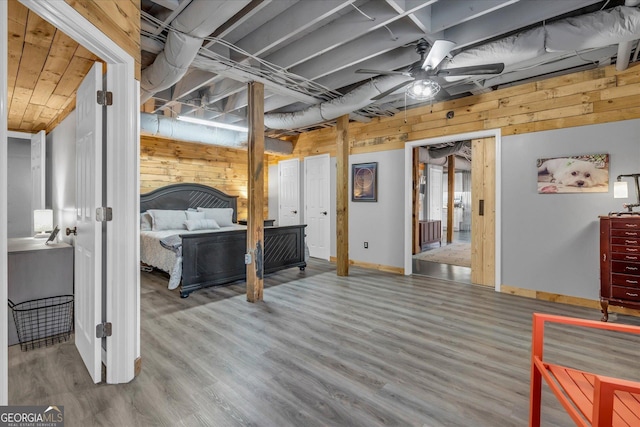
column 31, row 416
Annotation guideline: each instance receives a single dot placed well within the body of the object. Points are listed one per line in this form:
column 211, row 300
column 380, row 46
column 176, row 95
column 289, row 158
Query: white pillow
column 167, row 219
column 223, row 216
column 194, row 214
column 145, row 221
column 201, row 224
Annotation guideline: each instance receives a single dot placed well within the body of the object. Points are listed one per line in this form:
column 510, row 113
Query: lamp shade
column 42, row 220
column 620, row 190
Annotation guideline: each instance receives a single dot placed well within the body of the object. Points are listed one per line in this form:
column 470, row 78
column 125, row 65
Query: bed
column 205, row 257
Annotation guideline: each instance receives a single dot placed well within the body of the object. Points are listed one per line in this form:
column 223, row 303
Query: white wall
column 61, row 142
column 19, row 188
column 379, row 223
column 550, row 242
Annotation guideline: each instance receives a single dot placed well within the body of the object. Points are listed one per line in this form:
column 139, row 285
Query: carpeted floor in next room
column 458, row 253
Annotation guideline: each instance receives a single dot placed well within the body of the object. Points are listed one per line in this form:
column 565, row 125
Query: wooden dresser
column 619, row 262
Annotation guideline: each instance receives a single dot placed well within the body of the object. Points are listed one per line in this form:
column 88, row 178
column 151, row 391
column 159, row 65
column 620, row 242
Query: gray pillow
column 145, row 221
column 201, row 224
column 194, row 214
column 223, row 216
column 167, row 219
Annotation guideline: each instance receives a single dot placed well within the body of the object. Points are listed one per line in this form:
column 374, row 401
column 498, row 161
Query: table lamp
column 621, row 191
column 42, row 222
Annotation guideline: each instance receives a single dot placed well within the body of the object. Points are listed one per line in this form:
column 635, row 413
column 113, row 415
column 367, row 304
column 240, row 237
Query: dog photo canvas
column 574, row 174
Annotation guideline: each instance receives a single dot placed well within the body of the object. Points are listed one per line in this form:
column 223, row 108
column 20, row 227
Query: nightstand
column 267, row 222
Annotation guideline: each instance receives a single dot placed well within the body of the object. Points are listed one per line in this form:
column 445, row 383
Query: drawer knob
column 631, row 257
column 631, row 295
column 631, row 225
column 628, row 233
column 632, row 249
column 632, row 268
column 632, row 282
column 631, row 242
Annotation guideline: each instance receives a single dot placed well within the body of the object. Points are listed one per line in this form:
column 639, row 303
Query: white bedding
column 154, row 254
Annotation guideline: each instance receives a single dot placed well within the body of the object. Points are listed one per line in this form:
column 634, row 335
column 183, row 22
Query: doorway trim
column 122, row 181
column 408, row 194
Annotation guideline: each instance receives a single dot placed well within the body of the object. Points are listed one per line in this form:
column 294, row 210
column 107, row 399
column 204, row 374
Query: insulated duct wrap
column 196, row 21
column 594, row 30
column 152, row 124
column 358, row 98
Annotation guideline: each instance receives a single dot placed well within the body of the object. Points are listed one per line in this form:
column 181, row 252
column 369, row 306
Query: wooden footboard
column 211, row 259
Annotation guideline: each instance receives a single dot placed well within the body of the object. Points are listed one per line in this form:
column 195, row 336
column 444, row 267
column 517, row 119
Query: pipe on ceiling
column 356, row 99
column 595, row 30
column 198, row 20
column 168, row 127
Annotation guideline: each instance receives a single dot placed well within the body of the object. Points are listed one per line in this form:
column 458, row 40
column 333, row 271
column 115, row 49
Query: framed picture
column 574, row 174
column 364, row 182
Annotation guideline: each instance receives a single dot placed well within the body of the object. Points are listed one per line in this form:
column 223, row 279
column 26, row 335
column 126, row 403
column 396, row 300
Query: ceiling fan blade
column 386, row 73
column 390, row 91
column 437, row 53
column 472, row 70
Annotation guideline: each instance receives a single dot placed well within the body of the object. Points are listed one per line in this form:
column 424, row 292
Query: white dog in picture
column 574, row 172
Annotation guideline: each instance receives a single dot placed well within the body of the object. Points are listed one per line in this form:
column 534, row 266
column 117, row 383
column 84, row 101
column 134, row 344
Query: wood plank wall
column 596, row 96
column 164, row 162
column 119, row 19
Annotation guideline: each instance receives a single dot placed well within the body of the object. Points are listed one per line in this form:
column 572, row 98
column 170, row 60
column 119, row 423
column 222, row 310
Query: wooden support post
column 342, row 196
column 255, row 193
column 416, row 201
column 451, row 186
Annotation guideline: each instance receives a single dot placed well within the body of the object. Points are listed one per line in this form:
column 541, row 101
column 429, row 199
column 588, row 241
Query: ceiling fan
column 422, row 87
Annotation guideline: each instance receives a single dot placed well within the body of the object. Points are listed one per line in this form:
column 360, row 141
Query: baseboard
column 371, row 266
column 564, row 299
column 137, row 366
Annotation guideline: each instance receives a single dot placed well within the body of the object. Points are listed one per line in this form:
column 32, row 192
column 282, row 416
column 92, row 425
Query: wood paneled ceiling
column 45, row 68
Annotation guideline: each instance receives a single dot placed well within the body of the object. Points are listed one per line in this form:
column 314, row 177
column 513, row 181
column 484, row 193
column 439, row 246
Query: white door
column 88, row 244
column 289, row 192
column 434, row 192
column 38, row 158
column 317, row 205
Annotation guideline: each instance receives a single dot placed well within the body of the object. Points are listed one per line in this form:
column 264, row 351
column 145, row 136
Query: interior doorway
column 122, row 174
column 443, row 229
column 482, row 212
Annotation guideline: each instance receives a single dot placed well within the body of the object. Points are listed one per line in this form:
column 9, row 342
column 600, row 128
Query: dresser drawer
column 625, row 280
column 625, row 257
column 624, row 224
column 625, row 267
column 625, row 233
column 625, row 249
column 625, row 293
column 626, row 241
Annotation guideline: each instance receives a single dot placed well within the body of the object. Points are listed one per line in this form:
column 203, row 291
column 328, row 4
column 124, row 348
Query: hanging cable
column 362, row 13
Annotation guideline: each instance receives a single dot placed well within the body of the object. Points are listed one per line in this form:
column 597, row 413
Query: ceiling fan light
column 423, row 89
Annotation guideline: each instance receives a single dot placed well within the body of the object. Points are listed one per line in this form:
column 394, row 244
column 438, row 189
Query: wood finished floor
column 371, row 349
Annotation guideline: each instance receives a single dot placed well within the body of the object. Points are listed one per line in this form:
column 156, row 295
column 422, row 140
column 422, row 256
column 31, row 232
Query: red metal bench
column 590, row 399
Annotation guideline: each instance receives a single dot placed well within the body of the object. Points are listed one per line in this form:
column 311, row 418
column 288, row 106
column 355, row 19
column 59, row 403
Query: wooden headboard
column 185, row 196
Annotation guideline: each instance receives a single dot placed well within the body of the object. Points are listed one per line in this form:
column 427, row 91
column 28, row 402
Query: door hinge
column 105, row 97
column 103, row 330
column 104, row 214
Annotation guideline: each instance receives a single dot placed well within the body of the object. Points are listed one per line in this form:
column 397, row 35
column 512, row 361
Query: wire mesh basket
column 43, row 322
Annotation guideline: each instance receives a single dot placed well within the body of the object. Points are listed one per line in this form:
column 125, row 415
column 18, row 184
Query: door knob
column 73, row 231
column 294, row 212
column 324, row 212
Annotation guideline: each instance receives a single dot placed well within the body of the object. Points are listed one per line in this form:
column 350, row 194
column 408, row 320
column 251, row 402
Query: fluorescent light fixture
column 42, row 222
column 620, row 190
column 213, row 124
column 423, row 89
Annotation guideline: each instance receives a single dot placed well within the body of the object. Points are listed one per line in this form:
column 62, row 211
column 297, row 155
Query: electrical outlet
column 366, row 245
